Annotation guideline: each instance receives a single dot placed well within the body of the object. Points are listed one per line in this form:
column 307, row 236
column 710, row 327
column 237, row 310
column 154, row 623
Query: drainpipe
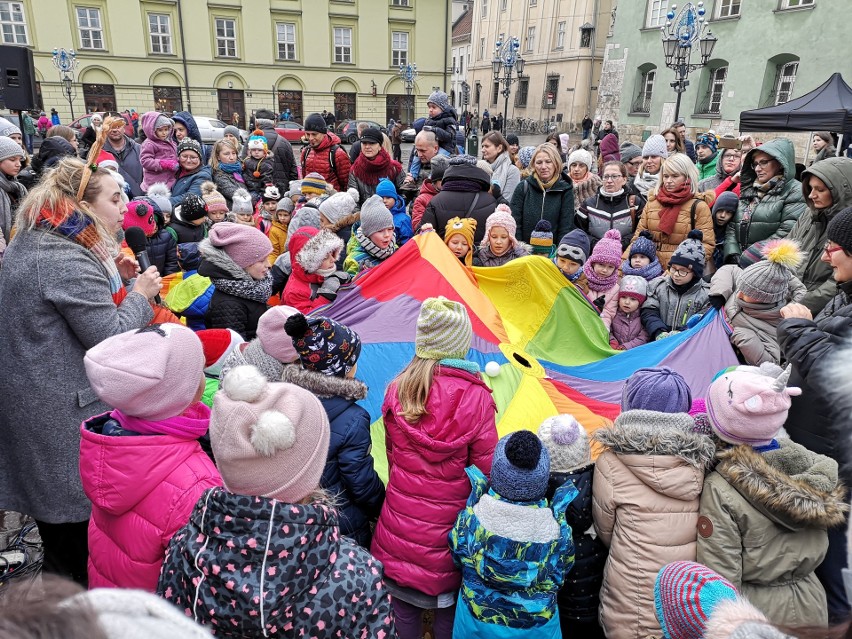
column 594, row 48
column 183, row 56
column 447, row 39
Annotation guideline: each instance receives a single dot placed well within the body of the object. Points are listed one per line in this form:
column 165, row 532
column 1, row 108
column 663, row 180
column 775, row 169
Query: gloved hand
column 692, row 321
column 717, row 301
column 428, row 128
column 599, row 303
column 332, row 284
column 169, row 165
column 662, row 335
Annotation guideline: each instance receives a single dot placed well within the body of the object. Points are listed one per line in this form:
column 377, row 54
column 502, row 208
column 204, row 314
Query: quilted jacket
column 162, row 251
column 665, row 309
column 349, row 474
column 189, row 183
column 153, row 150
column 315, row 160
column 427, row 485
column 255, row 567
column 143, row 489
column 604, row 211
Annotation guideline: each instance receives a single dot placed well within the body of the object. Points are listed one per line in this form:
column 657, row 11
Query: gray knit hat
column 339, row 206
column 521, row 467
column 241, row 202
column 439, row 99
column 438, row 165
column 10, row 149
column 567, row 442
column 375, row 216
column 443, row 331
column 655, row 146
column 768, row 281
column 629, row 151
column 231, row 130
column 305, row 216
column 8, row 129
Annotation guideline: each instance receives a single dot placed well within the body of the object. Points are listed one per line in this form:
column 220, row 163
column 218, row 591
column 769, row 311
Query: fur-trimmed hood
column 324, row 385
column 219, row 264
column 730, row 615
column 792, row 486
column 346, row 220
column 311, row 253
column 645, row 432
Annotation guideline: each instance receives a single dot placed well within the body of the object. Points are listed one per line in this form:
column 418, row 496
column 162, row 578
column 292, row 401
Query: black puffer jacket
column 450, row 203
column 240, row 314
column 50, row 152
column 349, row 474
column 806, row 344
column 284, row 168
column 162, row 251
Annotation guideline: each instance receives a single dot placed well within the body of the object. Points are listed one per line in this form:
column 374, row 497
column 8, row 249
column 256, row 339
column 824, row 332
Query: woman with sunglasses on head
column 771, row 201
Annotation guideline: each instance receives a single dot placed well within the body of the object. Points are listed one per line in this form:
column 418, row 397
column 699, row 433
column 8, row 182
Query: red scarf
column 672, row 201
column 370, row 171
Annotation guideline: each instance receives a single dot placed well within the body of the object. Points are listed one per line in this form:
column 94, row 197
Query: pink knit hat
column 152, row 373
column 140, row 213
column 273, row 339
column 502, row 216
column 243, row 244
column 748, row 405
column 607, row 250
column 269, row 439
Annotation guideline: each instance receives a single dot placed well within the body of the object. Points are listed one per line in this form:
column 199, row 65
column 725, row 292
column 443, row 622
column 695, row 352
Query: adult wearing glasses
column 771, row 201
column 609, row 208
column 807, row 341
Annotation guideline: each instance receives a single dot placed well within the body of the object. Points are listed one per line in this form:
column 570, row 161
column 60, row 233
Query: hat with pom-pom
column 690, row 253
column 502, row 218
column 685, row 596
column 270, row 194
column 749, row 405
column 218, row 343
column 257, row 140
column 269, row 439
column 245, row 245
column 574, row 246
column 521, row 467
column 657, row 389
column 607, row 250
column 768, row 281
column 126, row 371
column 241, row 202
column 160, row 193
column 567, row 442
column 324, row 346
column 541, row 238
column 698, row 412
column 140, row 212
column 644, row 245
column 272, row 336
column 191, row 208
column 339, row 206
column 215, row 201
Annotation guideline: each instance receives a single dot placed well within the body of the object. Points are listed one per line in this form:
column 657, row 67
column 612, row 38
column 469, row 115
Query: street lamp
column 679, row 36
column 408, row 74
column 66, row 63
column 506, row 59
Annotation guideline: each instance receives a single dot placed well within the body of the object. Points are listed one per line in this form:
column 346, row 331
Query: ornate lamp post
column 408, row 74
column 680, row 35
column 506, row 59
column 66, row 63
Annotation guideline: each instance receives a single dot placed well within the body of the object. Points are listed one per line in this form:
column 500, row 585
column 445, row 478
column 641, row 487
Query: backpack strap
column 692, row 214
column 472, row 204
column 331, row 151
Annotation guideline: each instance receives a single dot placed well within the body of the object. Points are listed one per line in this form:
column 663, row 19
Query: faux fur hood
column 220, row 260
column 729, row 615
column 791, row 485
column 645, row 432
column 516, row 521
column 310, row 257
column 324, row 385
column 346, row 220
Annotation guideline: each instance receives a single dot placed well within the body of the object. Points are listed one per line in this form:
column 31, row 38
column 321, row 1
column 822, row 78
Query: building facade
column 218, row 58
column 562, row 43
column 768, row 52
column 460, row 56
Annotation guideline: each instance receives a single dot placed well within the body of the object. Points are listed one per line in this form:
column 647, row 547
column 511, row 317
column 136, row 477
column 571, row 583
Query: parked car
column 290, row 131
column 408, row 135
column 212, row 129
column 347, row 132
column 80, row 124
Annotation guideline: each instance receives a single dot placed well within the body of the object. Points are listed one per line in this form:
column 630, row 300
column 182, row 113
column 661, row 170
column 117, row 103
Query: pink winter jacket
column 153, row 151
column 143, row 489
column 427, row 485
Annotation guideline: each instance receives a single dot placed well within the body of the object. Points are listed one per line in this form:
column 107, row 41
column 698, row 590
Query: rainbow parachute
column 552, row 348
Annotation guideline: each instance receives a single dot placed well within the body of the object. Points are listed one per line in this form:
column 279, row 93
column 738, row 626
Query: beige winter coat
column 645, row 504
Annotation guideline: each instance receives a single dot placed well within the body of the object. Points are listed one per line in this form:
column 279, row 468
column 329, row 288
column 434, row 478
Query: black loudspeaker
column 17, row 78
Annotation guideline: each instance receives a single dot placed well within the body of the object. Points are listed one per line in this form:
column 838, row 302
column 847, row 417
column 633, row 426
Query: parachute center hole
column 523, row 361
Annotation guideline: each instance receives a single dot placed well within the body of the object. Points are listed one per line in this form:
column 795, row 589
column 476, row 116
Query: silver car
column 212, row 129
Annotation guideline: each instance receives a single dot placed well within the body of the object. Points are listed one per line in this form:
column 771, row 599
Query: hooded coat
column 153, row 151
column 712, row 182
column 143, row 489
column 301, row 289
column 531, row 204
column 646, row 490
column 810, row 229
column 185, row 118
column 349, row 474
column 610, row 151
column 427, row 485
column 51, row 151
column 218, row 570
column 450, row 203
column 189, row 183
column 776, row 213
column 763, row 527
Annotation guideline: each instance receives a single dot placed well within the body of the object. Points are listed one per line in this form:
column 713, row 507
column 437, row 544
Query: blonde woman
column 675, row 207
column 62, row 292
column 544, row 195
column 226, row 169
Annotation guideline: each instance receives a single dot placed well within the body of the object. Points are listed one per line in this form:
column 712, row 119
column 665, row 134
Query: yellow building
column 220, row 57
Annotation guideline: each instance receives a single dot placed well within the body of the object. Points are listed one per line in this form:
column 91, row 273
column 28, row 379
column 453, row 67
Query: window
column 484, row 8
column 657, row 10
column 482, row 48
column 160, row 28
column 495, row 93
column 89, row 23
column 551, row 89
column 99, row 97
column 530, row 43
column 168, row 99
column 504, row 4
column 343, row 44
column 291, row 100
column 642, row 103
column 560, row 35
column 286, row 34
column 399, row 48
column 729, row 8
column 12, row 23
column 226, row 38
column 401, row 3
column 523, row 92
column 345, row 105
column 784, row 84
column 717, row 86
column 795, row 4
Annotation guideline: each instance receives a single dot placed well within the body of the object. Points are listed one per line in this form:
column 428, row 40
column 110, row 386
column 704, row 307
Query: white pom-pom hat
column 269, row 439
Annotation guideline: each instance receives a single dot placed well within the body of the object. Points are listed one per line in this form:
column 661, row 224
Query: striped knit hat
column 444, row 330
column 215, row 201
column 685, row 595
column 542, row 238
column 314, row 184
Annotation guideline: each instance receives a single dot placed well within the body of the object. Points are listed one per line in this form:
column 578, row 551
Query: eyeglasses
column 612, row 178
column 758, row 163
column 829, row 251
column 679, row 272
column 635, row 163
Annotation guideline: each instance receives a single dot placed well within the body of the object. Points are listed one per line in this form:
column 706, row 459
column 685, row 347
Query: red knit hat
column 217, row 343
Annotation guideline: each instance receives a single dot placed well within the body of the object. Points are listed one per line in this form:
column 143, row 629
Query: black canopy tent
column 826, row 108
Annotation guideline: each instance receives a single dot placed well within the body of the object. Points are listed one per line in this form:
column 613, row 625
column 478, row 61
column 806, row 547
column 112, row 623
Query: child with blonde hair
column 458, row 236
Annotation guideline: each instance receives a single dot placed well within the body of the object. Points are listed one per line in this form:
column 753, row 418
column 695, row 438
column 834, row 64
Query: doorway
column 232, row 101
column 291, row 100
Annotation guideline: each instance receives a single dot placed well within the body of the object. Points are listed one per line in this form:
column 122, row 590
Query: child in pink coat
column 159, row 150
column 601, row 271
column 141, row 464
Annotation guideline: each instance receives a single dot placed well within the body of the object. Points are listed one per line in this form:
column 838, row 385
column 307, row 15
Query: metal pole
column 70, row 100
column 183, row 56
column 677, row 106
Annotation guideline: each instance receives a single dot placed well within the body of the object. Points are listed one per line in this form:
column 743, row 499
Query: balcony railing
column 642, row 104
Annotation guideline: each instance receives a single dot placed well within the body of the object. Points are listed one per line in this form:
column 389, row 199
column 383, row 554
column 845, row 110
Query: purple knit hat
column 243, row 244
column 658, row 389
column 152, row 373
column 607, row 250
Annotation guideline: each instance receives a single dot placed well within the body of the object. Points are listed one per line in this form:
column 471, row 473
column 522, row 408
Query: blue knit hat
column 440, row 100
column 644, row 245
column 574, row 246
column 386, row 188
column 525, row 154
column 709, row 140
column 658, row 389
column 521, row 467
column 727, row 201
column 685, row 595
column 690, row 253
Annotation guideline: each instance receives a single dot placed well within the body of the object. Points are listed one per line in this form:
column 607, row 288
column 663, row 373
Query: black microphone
column 135, row 238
